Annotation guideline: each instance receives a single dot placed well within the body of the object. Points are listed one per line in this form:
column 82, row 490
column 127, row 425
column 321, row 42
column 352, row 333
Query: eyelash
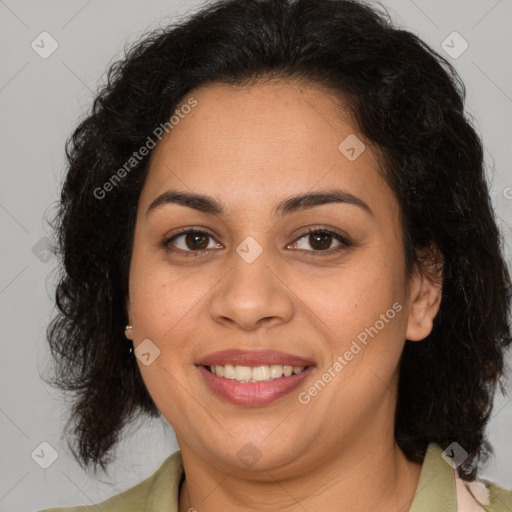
column 344, row 242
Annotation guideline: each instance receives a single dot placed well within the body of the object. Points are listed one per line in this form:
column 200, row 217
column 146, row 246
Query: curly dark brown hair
column 405, row 98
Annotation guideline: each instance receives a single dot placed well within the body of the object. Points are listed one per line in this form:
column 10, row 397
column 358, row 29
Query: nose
column 253, row 295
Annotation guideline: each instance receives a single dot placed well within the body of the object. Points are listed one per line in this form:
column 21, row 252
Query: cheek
column 362, row 315
column 351, row 299
column 162, row 300
column 163, row 306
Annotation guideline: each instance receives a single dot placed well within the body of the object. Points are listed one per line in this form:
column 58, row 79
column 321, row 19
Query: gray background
column 42, row 100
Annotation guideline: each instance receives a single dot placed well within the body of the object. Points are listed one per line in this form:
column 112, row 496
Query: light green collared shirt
column 439, row 490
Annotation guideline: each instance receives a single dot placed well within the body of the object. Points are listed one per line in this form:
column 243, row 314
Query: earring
column 128, row 333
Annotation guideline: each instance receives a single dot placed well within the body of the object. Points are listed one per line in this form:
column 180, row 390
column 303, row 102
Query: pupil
column 316, row 240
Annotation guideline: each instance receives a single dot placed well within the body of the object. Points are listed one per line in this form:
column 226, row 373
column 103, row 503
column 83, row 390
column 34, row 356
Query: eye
column 191, row 241
column 195, row 242
column 321, row 240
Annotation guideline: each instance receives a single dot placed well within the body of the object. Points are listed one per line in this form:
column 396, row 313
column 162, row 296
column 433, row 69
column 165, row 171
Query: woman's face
column 256, row 297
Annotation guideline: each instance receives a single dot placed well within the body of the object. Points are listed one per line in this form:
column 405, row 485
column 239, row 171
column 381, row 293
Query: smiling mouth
column 261, row 373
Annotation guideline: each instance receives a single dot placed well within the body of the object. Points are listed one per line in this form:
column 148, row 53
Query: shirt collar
column 436, row 487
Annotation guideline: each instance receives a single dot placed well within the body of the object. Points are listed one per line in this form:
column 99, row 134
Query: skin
column 250, row 148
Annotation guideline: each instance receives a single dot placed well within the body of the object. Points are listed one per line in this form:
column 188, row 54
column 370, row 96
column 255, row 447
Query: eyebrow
column 208, row 204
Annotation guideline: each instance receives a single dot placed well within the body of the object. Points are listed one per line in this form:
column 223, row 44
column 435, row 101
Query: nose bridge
column 251, row 292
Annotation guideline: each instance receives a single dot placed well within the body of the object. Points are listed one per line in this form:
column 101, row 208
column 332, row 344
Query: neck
column 366, row 476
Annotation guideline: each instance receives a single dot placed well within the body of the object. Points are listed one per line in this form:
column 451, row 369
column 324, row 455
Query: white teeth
column 243, row 372
column 261, row 373
column 229, row 371
column 255, row 373
column 276, row 371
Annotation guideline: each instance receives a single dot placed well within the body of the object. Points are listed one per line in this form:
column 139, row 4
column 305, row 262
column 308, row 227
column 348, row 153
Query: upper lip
column 252, row 358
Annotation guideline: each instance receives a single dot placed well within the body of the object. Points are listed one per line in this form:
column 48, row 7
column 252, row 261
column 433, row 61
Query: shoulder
column 482, row 495
column 158, row 492
column 440, row 488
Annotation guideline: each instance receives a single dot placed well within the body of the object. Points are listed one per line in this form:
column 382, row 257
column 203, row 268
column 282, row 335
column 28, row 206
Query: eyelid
column 342, row 239
column 184, row 231
column 344, row 243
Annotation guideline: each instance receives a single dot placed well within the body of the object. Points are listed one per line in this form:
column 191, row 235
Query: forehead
column 263, row 141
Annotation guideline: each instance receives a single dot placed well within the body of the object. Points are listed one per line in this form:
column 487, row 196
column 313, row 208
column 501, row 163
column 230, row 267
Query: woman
column 276, row 233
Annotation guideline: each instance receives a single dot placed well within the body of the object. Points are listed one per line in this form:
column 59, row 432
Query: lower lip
column 253, row 394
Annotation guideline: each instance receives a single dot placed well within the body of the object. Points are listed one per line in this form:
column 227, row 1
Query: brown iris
column 320, row 241
column 193, row 241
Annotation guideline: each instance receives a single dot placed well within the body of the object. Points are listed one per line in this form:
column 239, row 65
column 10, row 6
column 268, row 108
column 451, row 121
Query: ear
column 425, row 293
column 128, row 332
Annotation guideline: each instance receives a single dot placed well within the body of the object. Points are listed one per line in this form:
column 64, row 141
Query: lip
column 253, row 358
column 253, row 394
